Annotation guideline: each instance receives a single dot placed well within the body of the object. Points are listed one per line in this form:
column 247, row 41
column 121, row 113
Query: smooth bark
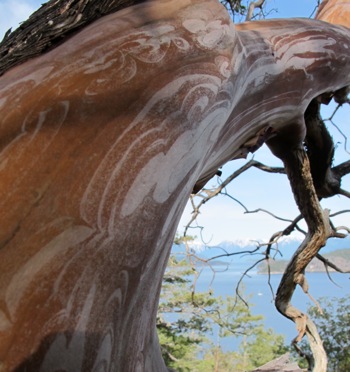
column 102, row 140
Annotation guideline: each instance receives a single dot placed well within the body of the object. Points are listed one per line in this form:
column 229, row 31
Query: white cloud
column 227, row 222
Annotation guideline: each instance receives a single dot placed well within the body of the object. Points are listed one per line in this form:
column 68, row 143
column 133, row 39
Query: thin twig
column 252, row 7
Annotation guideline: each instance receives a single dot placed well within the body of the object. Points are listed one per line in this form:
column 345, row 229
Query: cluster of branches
column 325, row 178
column 195, row 316
column 248, row 12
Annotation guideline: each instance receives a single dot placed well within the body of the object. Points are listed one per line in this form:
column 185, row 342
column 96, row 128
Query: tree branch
column 342, row 169
column 328, row 263
column 298, row 170
column 252, row 7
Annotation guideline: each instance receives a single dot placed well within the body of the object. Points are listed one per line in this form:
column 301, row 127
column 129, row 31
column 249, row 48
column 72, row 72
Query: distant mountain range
column 339, row 257
column 247, row 251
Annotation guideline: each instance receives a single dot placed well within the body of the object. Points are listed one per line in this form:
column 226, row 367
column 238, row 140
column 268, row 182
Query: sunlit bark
column 103, row 139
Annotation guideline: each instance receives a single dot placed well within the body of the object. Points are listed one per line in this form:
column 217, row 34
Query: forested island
column 340, row 258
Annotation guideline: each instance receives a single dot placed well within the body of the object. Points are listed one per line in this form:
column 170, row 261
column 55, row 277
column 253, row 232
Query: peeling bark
column 52, row 24
column 102, row 140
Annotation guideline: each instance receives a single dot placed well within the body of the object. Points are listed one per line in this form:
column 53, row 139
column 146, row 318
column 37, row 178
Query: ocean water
column 258, row 293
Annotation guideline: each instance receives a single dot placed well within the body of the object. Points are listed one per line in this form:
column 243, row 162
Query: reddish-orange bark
column 102, row 140
column 335, row 11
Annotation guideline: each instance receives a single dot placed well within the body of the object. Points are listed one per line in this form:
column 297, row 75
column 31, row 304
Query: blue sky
column 222, row 218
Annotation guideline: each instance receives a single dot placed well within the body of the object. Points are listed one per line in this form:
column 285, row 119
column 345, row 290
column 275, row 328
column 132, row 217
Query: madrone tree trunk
column 105, row 130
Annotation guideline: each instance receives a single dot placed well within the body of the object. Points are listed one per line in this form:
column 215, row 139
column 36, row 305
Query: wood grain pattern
column 102, row 140
column 334, row 11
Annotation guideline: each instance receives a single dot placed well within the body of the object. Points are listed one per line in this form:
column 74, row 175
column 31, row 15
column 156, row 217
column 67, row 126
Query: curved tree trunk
column 102, row 140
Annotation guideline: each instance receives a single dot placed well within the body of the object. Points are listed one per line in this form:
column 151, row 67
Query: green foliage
column 197, row 315
column 334, row 328
column 178, row 351
column 263, row 348
column 235, row 7
column 180, row 239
